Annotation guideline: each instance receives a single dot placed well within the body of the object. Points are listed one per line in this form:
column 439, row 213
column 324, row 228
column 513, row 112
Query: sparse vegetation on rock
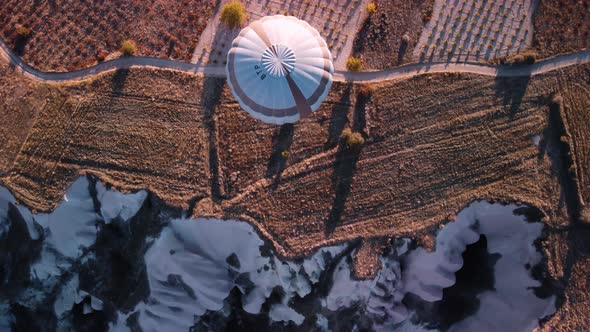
column 233, row 14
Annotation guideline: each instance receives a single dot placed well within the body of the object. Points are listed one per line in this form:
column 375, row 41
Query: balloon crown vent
column 278, row 61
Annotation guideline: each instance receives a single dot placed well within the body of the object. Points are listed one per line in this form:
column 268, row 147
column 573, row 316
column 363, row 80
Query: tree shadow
column 359, row 117
column 118, row 80
column 403, row 47
column 561, row 160
column 512, row 89
column 210, row 98
column 282, row 140
column 344, row 169
column 339, row 117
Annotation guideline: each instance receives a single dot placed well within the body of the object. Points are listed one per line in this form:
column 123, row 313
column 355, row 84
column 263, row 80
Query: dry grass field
column 568, row 256
column 250, row 150
column 576, row 114
column 20, row 101
column 427, row 155
column 133, row 129
column 561, row 26
column 380, row 42
column 68, row 35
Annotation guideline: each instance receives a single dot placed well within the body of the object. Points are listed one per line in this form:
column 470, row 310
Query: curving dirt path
column 339, row 76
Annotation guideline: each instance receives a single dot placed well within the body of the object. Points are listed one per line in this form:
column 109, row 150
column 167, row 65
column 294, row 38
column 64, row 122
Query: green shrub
column 352, row 140
column 354, row 64
column 233, row 14
column 128, row 47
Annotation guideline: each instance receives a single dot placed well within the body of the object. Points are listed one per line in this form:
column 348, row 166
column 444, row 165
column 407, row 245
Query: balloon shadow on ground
column 512, row 89
column 339, row 117
column 282, row 140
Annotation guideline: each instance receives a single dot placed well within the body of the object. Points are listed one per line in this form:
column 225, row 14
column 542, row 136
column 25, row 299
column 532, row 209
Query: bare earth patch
column 380, row 41
column 68, row 35
column 561, row 26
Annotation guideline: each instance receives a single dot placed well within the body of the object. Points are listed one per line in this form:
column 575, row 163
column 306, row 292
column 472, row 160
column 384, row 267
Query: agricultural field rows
column 69, row 35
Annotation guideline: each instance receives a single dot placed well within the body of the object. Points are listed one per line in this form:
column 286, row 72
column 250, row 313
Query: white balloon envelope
column 279, row 69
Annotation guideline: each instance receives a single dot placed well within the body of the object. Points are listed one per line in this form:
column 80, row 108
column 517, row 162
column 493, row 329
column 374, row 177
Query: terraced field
column 476, row 30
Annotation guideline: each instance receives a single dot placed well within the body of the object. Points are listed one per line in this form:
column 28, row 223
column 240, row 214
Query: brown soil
column 68, row 35
column 561, row 26
column 379, row 42
column 121, row 129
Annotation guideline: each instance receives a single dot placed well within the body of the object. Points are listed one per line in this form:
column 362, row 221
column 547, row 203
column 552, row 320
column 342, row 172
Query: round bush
column 352, row 140
column 354, row 64
column 23, row 32
column 128, row 47
column 233, row 14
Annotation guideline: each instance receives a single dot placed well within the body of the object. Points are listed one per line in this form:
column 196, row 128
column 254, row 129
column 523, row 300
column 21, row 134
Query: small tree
column 352, row 140
column 371, row 8
column 530, row 57
column 233, row 14
column 23, row 32
column 101, row 55
column 354, row 64
column 128, row 47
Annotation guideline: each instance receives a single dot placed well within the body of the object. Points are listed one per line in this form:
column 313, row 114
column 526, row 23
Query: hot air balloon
column 279, row 69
